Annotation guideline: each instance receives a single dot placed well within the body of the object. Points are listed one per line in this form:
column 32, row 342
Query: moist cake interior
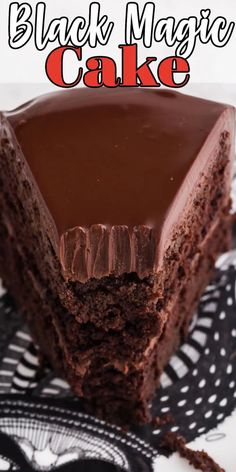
column 108, row 284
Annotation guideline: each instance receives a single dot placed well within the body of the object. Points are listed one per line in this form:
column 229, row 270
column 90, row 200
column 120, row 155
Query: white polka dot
column 184, row 389
column 208, row 414
column 174, row 428
column 223, row 402
column 229, row 369
column 234, row 394
column 229, row 301
column 212, row 369
column 182, row 403
column 195, row 372
column 202, row 383
column 198, row 401
column 222, row 315
column 216, row 336
column 201, row 430
column 207, row 351
column 192, row 425
column 232, row 384
column 223, row 352
column 220, row 416
column 212, row 398
column 189, row 412
column 228, row 287
column 156, row 431
column 165, row 398
column 217, row 382
column 233, row 332
column 165, row 410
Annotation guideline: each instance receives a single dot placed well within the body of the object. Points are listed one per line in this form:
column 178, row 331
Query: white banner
column 212, row 62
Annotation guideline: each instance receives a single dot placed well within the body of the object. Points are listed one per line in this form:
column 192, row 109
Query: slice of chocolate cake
column 114, row 208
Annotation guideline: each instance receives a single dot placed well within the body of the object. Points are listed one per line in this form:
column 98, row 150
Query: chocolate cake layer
column 111, row 334
column 115, row 147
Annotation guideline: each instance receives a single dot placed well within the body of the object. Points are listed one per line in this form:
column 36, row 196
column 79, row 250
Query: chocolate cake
column 200, row 460
column 114, row 207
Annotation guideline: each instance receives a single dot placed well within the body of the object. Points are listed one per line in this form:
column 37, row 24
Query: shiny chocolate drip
column 109, row 164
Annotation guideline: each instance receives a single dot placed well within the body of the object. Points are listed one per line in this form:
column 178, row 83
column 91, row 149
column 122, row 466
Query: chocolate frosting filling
column 114, row 166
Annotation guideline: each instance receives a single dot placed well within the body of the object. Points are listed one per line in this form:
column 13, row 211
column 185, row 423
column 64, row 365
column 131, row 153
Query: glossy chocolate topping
column 111, row 161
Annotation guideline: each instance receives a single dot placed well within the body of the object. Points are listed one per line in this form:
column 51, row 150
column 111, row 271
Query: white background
column 208, row 63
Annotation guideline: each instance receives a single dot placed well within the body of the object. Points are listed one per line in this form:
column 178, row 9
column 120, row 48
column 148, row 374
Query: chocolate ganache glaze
column 111, row 165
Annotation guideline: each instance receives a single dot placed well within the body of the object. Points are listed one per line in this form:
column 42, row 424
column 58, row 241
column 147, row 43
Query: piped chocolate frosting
column 110, row 164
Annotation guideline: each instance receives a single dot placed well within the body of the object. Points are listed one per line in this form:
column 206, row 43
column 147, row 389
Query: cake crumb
column 125, row 428
column 163, row 420
column 198, row 459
